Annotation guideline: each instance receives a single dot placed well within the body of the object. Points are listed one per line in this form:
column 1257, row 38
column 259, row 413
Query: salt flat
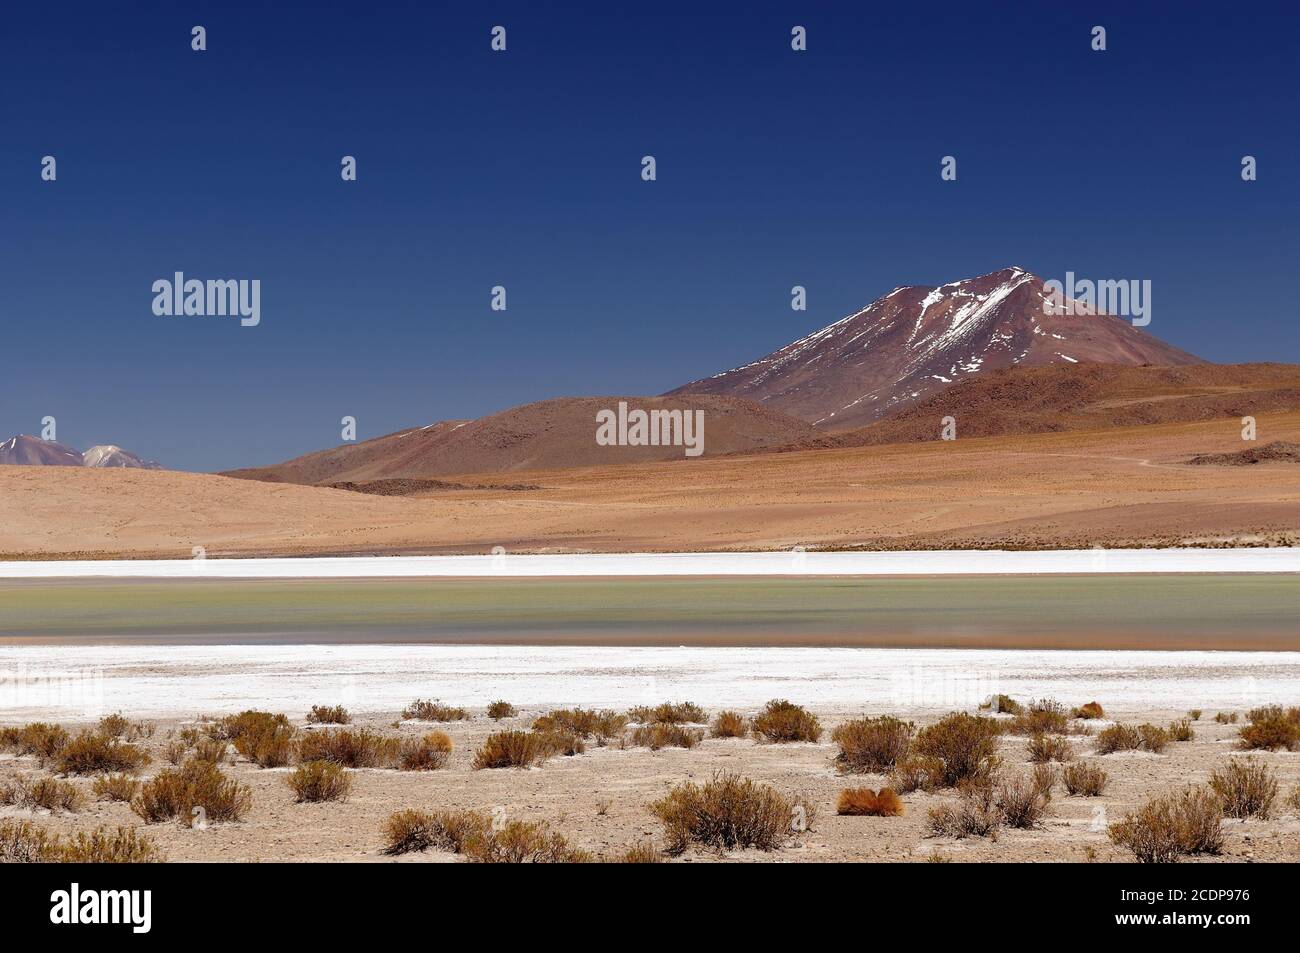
column 73, row 682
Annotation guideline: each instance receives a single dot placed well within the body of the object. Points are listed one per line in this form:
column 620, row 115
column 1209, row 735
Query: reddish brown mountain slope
column 549, row 434
column 917, row 340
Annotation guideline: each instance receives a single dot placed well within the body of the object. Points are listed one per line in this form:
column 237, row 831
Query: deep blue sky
column 523, row 169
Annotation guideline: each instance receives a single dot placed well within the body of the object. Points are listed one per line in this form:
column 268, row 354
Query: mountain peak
column 918, row 339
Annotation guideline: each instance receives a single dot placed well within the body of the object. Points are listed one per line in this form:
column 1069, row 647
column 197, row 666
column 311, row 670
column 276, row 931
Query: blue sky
column 522, row 169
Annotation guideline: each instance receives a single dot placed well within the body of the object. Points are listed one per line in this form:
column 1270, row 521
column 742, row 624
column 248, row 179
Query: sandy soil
column 599, row 800
column 1079, row 489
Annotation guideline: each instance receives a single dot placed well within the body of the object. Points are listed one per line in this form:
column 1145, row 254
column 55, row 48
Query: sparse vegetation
column 1022, row 801
column 1089, row 712
column 432, row 710
column 1045, row 748
column 916, row 773
column 176, row 792
column 583, row 723
column 727, row 812
column 1226, row 718
column 671, row 713
column 1271, row 728
column 264, row 738
column 872, row 744
column 26, row 843
column 350, row 747
column 209, row 749
column 1245, row 788
column 328, row 715
column 425, row 754
column 501, row 709
column 864, row 802
column 1194, row 714
column 1153, row 739
column 472, row 833
column 644, row 852
column 1083, row 779
column 974, row 815
column 1171, row 826
column 513, row 749
column 49, row 794
column 782, row 722
column 115, row 787
column 93, row 752
column 41, row 739
column 729, row 724
column 319, row 781
column 410, row 830
column 1004, row 704
column 1119, row 737
column 665, row 735
column 964, row 745
column 1046, row 716
column 1181, row 730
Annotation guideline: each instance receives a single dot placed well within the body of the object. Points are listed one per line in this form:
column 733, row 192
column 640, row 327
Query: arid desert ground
column 600, row 800
column 1126, row 486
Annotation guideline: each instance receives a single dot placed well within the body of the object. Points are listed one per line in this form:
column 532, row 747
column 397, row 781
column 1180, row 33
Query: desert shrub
column 644, row 852
column 1245, row 788
column 1226, row 718
column 1022, row 801
column 729, row 724
column 1004, row 704
column 1172, row 825
column 352, row 748
column 22, row 842
column 975, row 814
column 1118, row 738
column 665, row 735
column 965, row 744
column 864, row 802
column 521, row 842
column 433, row 710
column 583, row 723
column 501, row 709
column 38, row 738
column 1154, row 739
column 49, row 794
column 781, row 721
column 231, row 727
column 513, row 749
column 175, row 752
column 1044, row 777
column 872, row 744
column 319, row 781
column 175, row 792
column 123, row 845
column 410, row 830
column 916, row 773
column 1045, row 716
column 425, row 754
column 1271, row 728
column 114, row 725
column 678, row 713
column 210, row 749
column 1045, row 748
column 328, row 715
column 115, row 787
column 729, row 811
column 262, row 737
column 1293, row 800
column 1089, row 712
column 561, row 742
column 1194, row 714
column 1083, row 779
column 1181, row 730
column 92, row 752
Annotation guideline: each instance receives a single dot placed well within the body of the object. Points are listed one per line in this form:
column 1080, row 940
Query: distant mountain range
column 26, row 450
column 917, row 340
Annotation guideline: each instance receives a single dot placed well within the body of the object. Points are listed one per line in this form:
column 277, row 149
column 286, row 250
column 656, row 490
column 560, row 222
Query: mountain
column 917, row 340
column 549, row 434
column 1064, row 397
column 107, row 455
column 33, row 451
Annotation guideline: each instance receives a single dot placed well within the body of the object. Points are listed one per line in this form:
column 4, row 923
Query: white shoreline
column 923, row 563
column 83, row 682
